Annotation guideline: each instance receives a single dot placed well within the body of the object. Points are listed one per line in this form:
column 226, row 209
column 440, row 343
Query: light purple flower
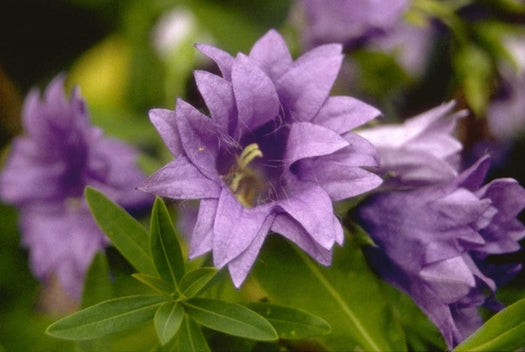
column 45, row 176
column 420, row 151
column 348, row 21
column 273, row 156
column 432, row 243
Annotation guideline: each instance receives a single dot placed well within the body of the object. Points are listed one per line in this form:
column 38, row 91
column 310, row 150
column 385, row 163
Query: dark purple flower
column 432, row 243
column 420, row 151
column 45, row 176
column 273, row 156
column 348, row 21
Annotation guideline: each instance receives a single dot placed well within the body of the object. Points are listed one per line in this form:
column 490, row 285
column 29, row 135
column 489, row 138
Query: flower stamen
column 242, row 180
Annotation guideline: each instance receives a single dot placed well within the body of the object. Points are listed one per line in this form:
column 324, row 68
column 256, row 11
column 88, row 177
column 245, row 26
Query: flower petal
column 164, row 122
column 236, row 227
column 271, row 53
column 257, row 100
column 307, row 140
column 218, row 95
column 311, row 207
column 305, row 87
column 202, row 236
column 342, row 114
column 180, row 179
column 221, row 58
column 199, row 138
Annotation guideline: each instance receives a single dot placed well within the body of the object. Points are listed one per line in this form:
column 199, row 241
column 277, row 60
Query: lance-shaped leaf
column 347, row 295
column 168, row 319
column 126, row 233
column 291, row 323
column 230, row 318
column 505, row 331
column 197, row 281
column 155, row 283
column 106, row 317
column 165, row 247
column 190, row 338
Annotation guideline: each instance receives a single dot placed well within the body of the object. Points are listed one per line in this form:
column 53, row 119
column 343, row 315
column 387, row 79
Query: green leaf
column 97, row 286
column 505, row 331
column 165, row 248
column 168, row 319
column 190, row 338
column 291, row 323
column 106, row 317
column 155, row 283
column 197, row 281
column 347, row 295
column 126, row 233
column 230, row 318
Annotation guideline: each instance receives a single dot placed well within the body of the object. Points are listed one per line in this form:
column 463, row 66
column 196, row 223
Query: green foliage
column 196, row 281
column 505, row 331
column 126, row 233
column 190, row 338
column 168, row 319
column 165, row 248
column 230, row 318
column 353, row 302
column 291, row 323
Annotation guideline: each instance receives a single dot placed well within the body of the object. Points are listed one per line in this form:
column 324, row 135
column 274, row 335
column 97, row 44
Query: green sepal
column 291, row 323
column 230, row 318
column 196, row 281
column 168, row 319
column 106, row 317
column 126, row 233
column 165, row 247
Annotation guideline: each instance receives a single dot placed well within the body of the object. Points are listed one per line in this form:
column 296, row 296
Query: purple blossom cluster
column 45, row 176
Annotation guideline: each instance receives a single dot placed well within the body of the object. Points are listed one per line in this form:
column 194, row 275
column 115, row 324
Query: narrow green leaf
column 230, row 318
column 348, row 295
column 190, row 338
column 505, row 331
column 291, row 323
column 165, row 247
column 155, row 283
column 197, row 281
column 106, row 317
column 168, row 319
column 97, row 286
column 126, row 233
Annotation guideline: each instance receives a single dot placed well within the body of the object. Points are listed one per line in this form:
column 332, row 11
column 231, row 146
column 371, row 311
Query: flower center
column 244, row 182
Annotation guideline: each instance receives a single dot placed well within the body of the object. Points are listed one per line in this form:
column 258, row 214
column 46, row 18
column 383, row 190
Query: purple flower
column 273, row 156
column 45, row 176
column 419, row 151
column 432, row 243
column 348, row 21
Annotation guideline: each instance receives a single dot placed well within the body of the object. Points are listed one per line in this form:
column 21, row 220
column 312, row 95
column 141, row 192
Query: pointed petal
column 257, row 100
column 473, row 177
column 462, row 206
column 271, row 53
column 307, row 140
column 199, row 137
column 507, row 195
column 202, row 236
column 180, row 179
column 218, row 96
column 311, row 207
column 235, row 227
column 221, row 58
column 305, row 87
column 164, row 122
column 240, row 266
column 342, row 114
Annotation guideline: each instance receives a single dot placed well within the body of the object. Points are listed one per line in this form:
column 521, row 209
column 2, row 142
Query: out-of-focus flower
column 273, row 156
column 348, row 21
column 45, row 176
column 420, row 151
column 432, row 243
